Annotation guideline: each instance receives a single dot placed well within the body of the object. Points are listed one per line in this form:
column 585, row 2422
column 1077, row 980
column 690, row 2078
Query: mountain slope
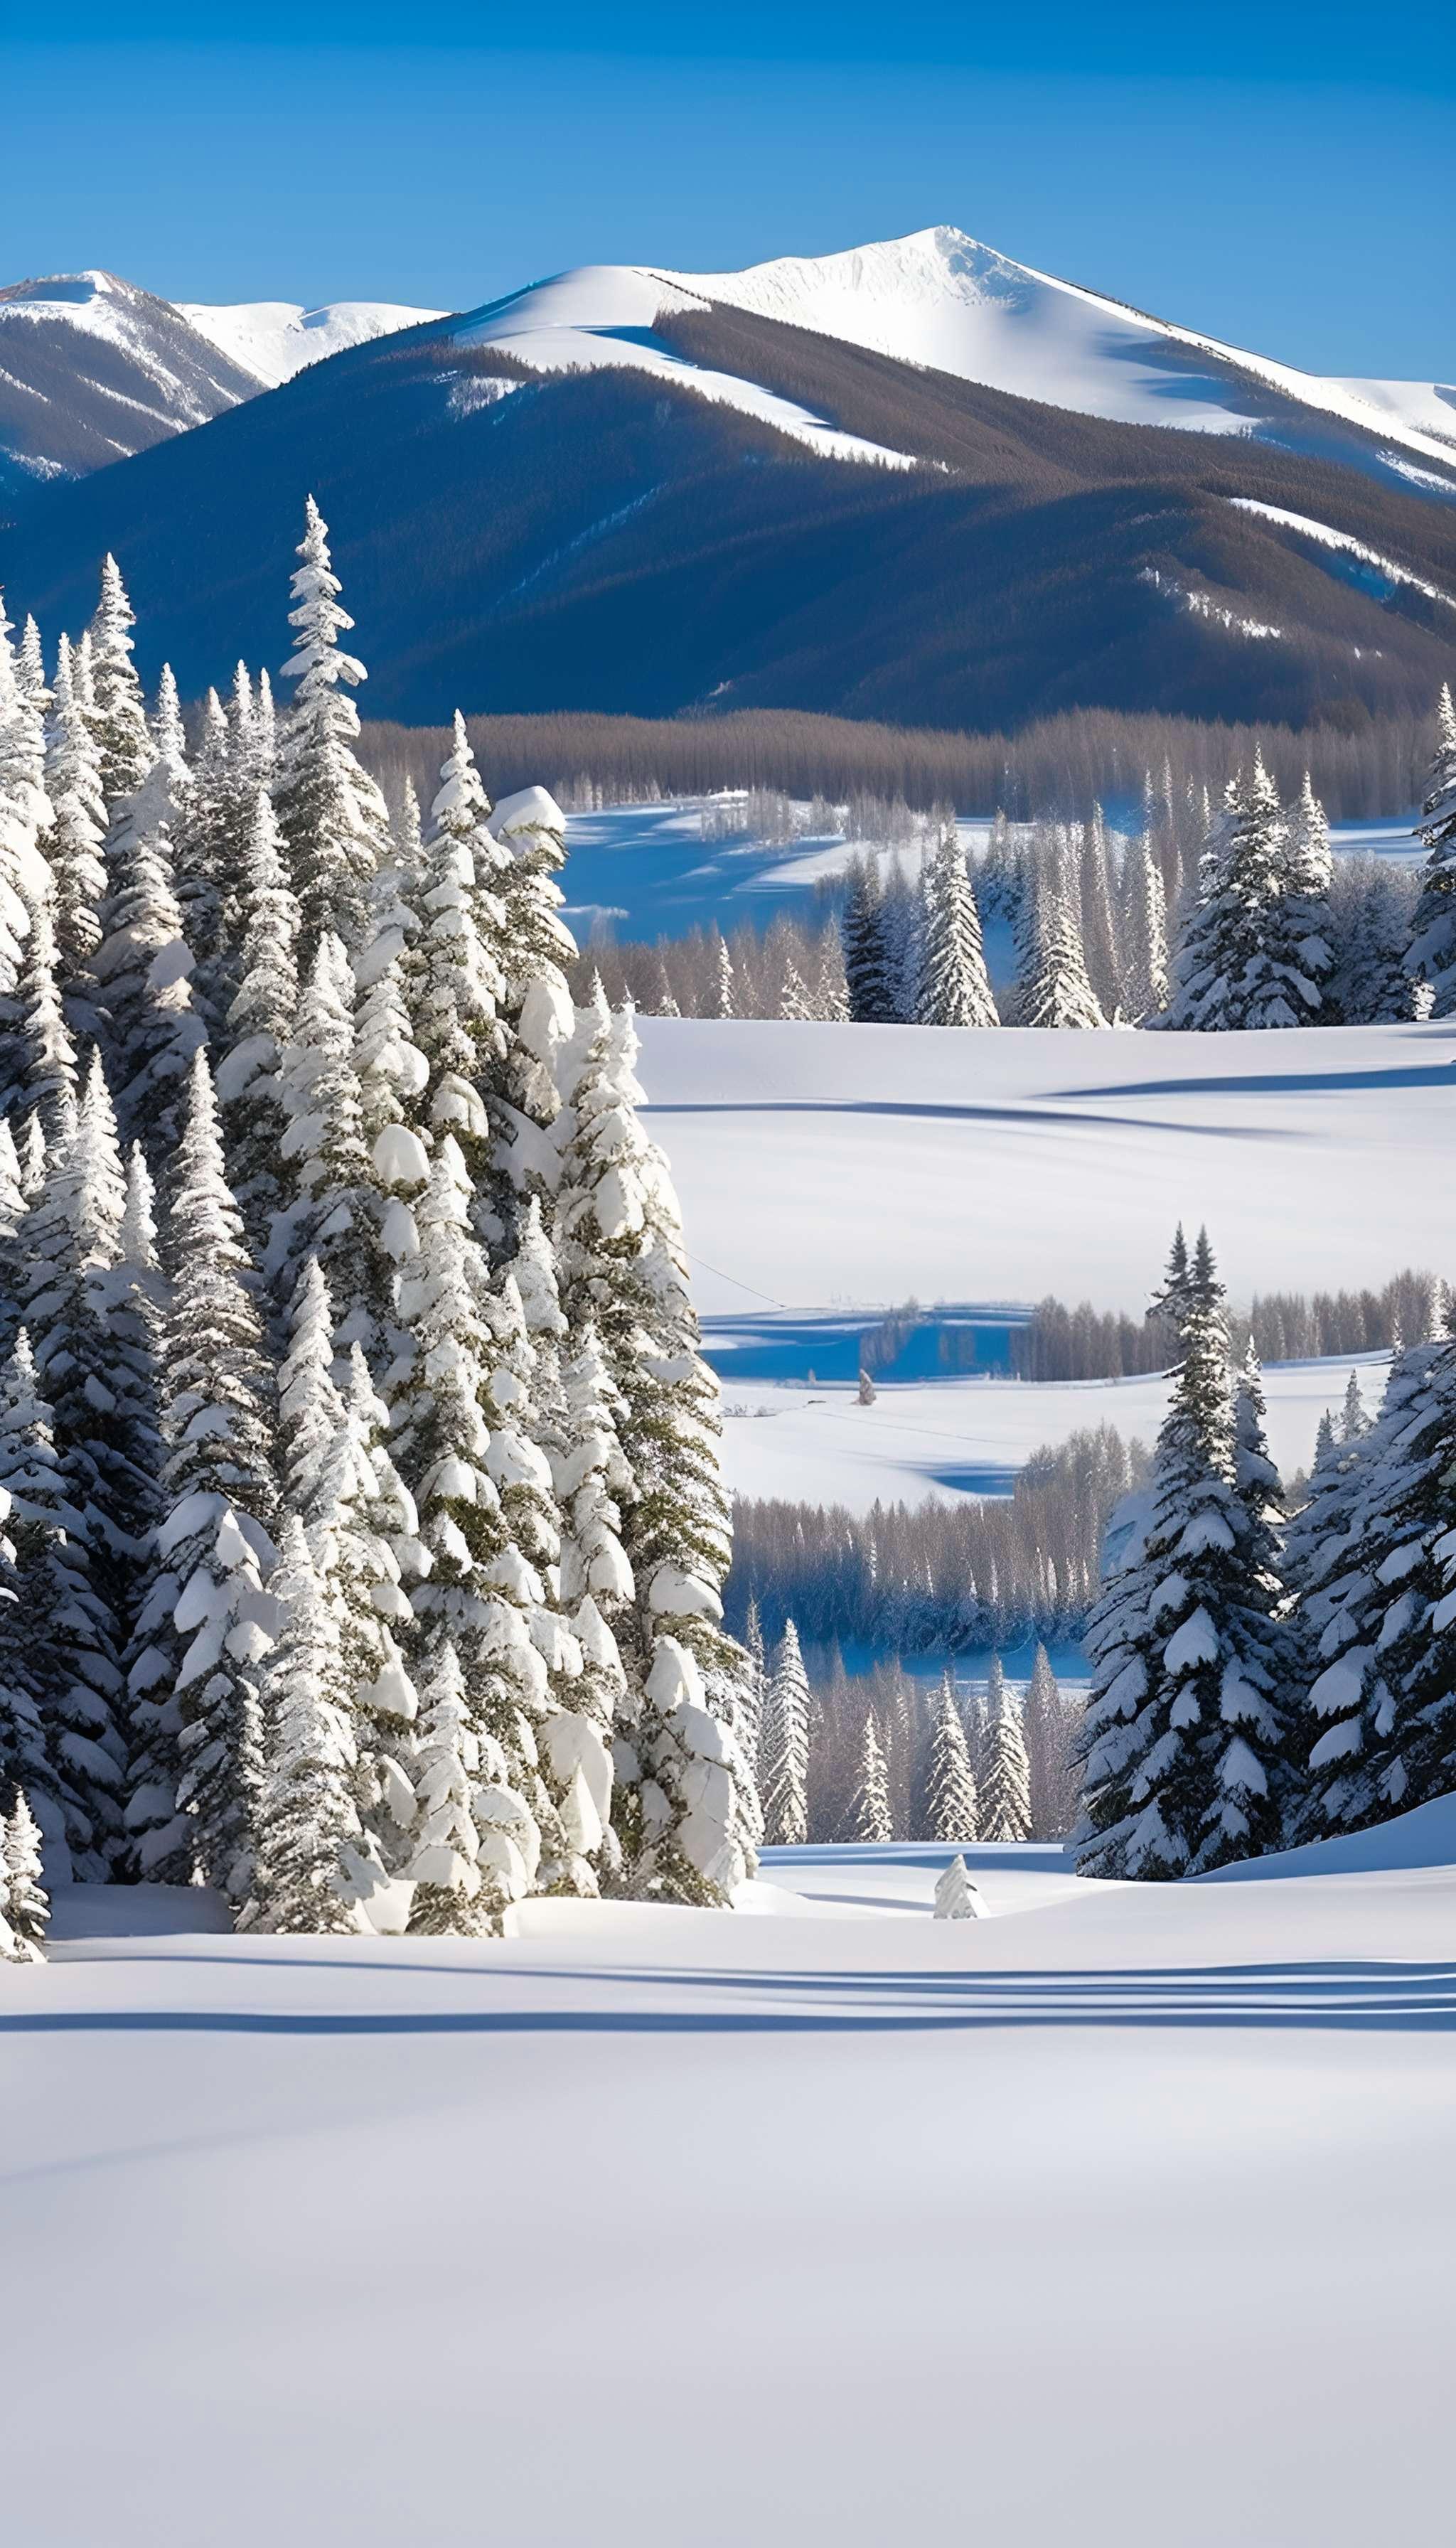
column 609, row 493
column 273, row 339
column 93, row 370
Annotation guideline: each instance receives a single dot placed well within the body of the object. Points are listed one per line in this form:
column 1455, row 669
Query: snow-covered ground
column 837, row 1165
column 969, row 1437
column 276, row 338
column 1122, row 2214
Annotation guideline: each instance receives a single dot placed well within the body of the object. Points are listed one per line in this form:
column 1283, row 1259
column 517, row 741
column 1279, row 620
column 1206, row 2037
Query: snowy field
column 826, row 1165
column 1121, row 2214
column 969, row 1437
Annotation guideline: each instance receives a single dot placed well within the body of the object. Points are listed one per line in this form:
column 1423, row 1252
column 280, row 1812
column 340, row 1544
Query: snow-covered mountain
column 273, row 339
column 93, row 369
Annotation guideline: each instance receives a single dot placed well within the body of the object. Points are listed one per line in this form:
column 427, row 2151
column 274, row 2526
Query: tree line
column 363, row 1526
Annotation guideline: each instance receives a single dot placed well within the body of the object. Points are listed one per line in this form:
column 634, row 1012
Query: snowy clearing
column 461, row 2227
column 958, row 1438
column 868, row 1165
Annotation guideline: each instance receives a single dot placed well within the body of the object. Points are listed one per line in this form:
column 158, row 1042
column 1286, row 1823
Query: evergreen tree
column 25, row 820
column 335, row 819
column 143, row 967
column 866, row 955
column 1144, row 935
column 74, row 848
column 307, row 1828
column 208, row 1622
column 1254, row 954
column 1006, row 1808
column 205, row 849
column 529, row 832
column 1054, row 989
column 26, row 1905
column 953, row 1806
column 337, row 1214
column 784, row 1753
column 955, row 1897
column 1187, row 1734
column 25, row 1758
column 1371, row 985
column 954, row 989
column 1094, row 899
column 723, row 1003
column 754, row 1683
column 74, row 1668
column 1432, row 956
column 1054, row 1786
column 261, row 1022
column 30, row 667
column 1303, row 912
column 459, row 984
column 119, row 713
column 444, row 1866
column 44, row 1050
column 870, row 1806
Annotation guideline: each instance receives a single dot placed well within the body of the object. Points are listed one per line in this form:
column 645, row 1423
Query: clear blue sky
column 1278, row 175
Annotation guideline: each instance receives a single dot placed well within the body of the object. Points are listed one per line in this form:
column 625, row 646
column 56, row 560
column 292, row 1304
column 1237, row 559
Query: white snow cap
column 531, row 810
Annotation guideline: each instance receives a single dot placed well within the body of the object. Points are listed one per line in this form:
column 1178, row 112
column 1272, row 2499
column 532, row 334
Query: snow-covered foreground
column 969, row 1437
column 827, row 1164
column 1123, row 2214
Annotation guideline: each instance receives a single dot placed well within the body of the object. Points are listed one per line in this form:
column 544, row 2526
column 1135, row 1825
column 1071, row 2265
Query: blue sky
column 1268, row 174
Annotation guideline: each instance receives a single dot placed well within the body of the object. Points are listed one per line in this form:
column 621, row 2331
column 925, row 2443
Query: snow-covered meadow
column 1123, row 2213
column 842, row 1166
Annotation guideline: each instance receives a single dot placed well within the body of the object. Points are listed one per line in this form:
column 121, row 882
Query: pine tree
column 459, row 985
column 867, row 962
column 333, row 818
column 1371, row 985
column 121, row 736
column 208, row 1622
column 307, row 1829
column 1432, row 956
column 1145, row 934
column 444, row 1866
column 954, row 989
column 442, row 1446
column 870, row 1806
column 754, row 1683
column 26, row 1905
column 73, row 1666
column 784, row 1752
column 44, row 1050
column 1304, row 923
column 1006, row 1810
column 144, row 968
column 1254, row 954
column 30, row 667
column 74, row 848
column 955, row 1897
column 528, row 834
column 25, row 1758
column 205, row 850
column 953, row 1806
column 261, row 1021
column 1094, row 900
column 337, row 1214
column 25, row 821
column 1053, row 988
column 1054, row 1786
column 1187, row 1736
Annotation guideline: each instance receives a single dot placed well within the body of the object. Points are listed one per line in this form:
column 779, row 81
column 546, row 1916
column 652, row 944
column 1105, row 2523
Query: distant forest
column 1363, row 768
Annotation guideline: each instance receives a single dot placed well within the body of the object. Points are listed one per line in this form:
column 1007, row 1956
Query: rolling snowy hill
column 273, row 339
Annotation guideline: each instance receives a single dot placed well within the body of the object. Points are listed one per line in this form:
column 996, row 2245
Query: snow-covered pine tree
column 680, row 1815
column 1144, row 935
column 1094, row 903
column 208, row 1622
column 45, row 1052
column 30, row 667
column 444, row 1866
column 143, row 967
column 952, row 1803
column 1052, row 986
column 407, row 837
column 754, row 1683
column 783, row 1746
column 955, row 1897
column 1187, row 1737
column 27, row 1905
column 74, row 847
column 865, row 955
column 23, row 1751
column 13, row 1210
column 1054, row 1785
column 458, row 985
column 442, row 1445
column 1370, row 985
column 307, row 1828
column 529, row 830
column 724, row 1003
column 1005, row 1794
column 393, row 1075
column 333, row 817
column 795, row 1001
column 262, row 1019
column 1304, row 928
column 71, row 1659
column 120, row 712
column 1431, row 955
column 1244, row 955
column 954, row 989
column 870, row 1806
column 203, row 851
column 338, row 1214
column 25, row 823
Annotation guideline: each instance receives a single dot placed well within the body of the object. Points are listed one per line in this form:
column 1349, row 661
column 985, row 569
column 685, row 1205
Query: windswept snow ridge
column 276, row 338
column 602, row 317
column 1354, row 548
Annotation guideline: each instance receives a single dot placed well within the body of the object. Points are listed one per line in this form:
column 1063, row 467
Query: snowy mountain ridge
column 273, row 339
